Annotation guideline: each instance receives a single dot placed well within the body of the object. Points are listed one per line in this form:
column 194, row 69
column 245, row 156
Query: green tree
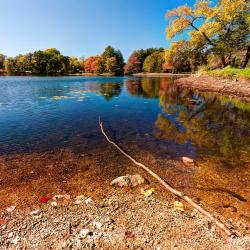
column 11, row 66
column 39, row 62
column 137, row 58
column 109, row 53
column 55, row 62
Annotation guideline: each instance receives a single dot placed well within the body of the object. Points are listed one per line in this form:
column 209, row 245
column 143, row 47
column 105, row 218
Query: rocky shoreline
column 126, row 219
column 65, row 200
column 239, row 88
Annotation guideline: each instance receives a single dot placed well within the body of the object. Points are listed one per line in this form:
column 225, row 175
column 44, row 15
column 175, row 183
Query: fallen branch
column 226, row 232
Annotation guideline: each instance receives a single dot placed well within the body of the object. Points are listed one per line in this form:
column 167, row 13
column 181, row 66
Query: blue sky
column 83, row 27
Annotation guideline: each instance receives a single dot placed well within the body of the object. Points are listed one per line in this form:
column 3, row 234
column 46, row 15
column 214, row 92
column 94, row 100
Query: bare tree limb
column 225, row 231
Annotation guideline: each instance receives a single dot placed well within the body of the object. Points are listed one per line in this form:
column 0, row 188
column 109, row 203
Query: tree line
column 52, row 62
column 110, row 62
column 218, row 36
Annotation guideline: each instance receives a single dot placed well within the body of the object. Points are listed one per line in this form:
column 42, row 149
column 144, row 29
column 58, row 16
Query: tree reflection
column 110, row 90
column 217, row 126
column 147, row 88
column 213, row 126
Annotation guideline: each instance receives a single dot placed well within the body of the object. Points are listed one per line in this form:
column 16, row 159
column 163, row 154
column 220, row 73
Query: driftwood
column 225, row 231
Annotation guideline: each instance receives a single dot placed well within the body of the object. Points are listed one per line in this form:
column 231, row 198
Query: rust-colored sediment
column 26, row 177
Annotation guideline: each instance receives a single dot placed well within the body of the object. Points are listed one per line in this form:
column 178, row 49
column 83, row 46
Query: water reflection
column 146, row 88
column 111, row 90
column 17, row 92
column 216, row 126
column 205, row 125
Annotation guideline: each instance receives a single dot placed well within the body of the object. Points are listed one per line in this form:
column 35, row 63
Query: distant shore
column 107, row 74
column 160, row 74
column 237, row 87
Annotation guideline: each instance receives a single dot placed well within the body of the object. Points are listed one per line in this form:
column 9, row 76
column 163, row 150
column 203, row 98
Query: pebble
column 79, row 199
column 188, row 161
column 36, row 213
column 16, row 240
column 54, row 204
column 10, row 235
column 109, row 221
column 128, row 181
column 10, row 209
column 89, row 201
column 58, row 197
column 97, row 224
column 84, row 233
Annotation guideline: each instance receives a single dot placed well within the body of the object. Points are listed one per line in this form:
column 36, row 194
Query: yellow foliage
column 214, row 18
column 202, row 8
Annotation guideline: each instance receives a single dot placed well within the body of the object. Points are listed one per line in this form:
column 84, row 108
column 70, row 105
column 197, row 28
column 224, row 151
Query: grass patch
column 231, row 72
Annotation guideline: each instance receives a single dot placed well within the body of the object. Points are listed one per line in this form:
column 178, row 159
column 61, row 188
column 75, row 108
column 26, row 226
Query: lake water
column 43, row 113
column 40, row 114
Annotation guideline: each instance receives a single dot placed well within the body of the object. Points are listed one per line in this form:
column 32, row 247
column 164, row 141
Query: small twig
column 226, row 232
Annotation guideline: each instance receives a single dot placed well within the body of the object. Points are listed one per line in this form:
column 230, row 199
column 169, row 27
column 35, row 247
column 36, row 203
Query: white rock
column 188, row 161
column 84, row 233
column 54, row 204
column 36, row 213
column 80, row 199
column 89, row 201
column 10, row 209
column 10, row 235
column 97, row 224
column 128, row 181
column 16, row 240
column 58, row 197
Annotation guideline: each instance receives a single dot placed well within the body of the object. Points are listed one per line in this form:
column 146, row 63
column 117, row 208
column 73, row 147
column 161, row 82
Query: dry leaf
column 179, row 206
column 148, row 192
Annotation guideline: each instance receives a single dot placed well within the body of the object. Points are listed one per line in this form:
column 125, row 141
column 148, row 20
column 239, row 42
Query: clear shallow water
column 44, row 113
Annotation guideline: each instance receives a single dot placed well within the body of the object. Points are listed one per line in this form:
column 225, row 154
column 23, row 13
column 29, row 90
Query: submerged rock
column 128, row 181
column 188, row 161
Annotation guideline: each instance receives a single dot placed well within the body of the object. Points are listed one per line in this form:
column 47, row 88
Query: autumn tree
column 112, row 66
column 2, row 59
column 47, row 62
column 81, row 61
column 74, row 65
column 94, row 64
column 10, row 65
column 222, row 29
column 109, row 53
column 98, row 65
column 133, row 65
column 88, row 64
column 154, row 63
column 137, row 59
column 183, row 56
column 55, row 62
